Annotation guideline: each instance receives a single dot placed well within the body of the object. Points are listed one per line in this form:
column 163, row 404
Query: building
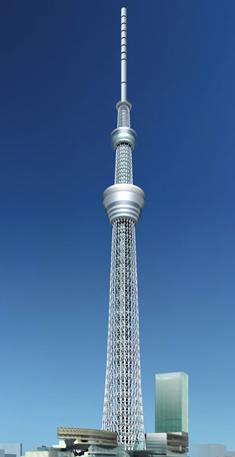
column 167, row 444
column 44, row 451
column 83, row 438
column 10, row 449
column 171, row 415
column 171, row 402
column 123, row 202
column 211, row 450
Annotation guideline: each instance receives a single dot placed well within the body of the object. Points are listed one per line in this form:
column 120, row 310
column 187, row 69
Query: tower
column 123, row 202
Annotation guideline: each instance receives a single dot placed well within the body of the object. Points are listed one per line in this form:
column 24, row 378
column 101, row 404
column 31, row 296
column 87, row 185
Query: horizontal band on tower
column 123, row 135
column 123, row 200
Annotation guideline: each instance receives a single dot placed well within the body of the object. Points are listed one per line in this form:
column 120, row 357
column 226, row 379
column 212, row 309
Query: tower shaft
column 123, row 411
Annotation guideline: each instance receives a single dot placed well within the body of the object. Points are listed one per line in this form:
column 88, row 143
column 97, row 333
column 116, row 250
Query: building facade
column 171, row 402
column 167, row 444
column 44, row 451
column 10, row 449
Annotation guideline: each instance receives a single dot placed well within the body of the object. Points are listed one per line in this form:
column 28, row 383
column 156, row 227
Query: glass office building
column 171, row 402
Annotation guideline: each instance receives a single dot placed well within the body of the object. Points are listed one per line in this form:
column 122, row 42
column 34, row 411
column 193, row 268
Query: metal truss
column 123, row 201
column 123, row 410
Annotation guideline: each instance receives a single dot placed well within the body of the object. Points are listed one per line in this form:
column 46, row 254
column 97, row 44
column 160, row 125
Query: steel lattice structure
column 123, row 410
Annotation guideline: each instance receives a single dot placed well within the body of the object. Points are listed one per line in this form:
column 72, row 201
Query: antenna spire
column 123, row 54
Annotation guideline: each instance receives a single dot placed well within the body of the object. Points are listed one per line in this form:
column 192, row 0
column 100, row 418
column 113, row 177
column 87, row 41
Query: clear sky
column 59, row 83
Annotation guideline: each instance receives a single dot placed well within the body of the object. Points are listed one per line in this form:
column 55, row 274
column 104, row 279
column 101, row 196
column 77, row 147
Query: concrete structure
column 10, row 449
column 83, row 438
column 45, row 451
column 123, row 202
column 171, row 402
column 88, row 443
column 167, row 444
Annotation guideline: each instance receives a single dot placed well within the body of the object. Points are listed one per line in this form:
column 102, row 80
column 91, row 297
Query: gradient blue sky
column 59, row 83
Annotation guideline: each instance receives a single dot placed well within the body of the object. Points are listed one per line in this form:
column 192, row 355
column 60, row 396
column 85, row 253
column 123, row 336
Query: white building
column 10, row 449
column 167, row 444
column 45, row 451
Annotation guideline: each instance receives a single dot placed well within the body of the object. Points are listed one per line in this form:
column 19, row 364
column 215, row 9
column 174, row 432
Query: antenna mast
column 123, row 54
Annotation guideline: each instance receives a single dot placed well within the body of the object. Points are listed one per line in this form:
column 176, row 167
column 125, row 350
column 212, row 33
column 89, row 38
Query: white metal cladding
column 123, row 410
column 123, row 200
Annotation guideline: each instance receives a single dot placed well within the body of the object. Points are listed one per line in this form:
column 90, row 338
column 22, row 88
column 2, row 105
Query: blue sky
column 59, row 83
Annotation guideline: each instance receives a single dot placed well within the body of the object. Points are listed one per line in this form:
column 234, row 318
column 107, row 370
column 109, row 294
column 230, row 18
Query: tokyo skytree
column 123, row 202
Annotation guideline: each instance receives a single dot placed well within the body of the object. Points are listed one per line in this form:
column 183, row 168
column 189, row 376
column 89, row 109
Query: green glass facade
column 171, row 402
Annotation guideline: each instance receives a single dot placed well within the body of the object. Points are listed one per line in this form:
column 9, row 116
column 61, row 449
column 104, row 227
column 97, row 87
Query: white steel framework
column 123, row 411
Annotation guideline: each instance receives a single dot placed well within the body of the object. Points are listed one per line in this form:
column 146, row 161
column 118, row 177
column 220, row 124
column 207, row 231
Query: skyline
column 58, row 96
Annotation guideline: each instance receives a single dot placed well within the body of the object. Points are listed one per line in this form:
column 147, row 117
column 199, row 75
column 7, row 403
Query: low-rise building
column 10, row 449
column 167, row 444
column 211, row 450
column 44, row 451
